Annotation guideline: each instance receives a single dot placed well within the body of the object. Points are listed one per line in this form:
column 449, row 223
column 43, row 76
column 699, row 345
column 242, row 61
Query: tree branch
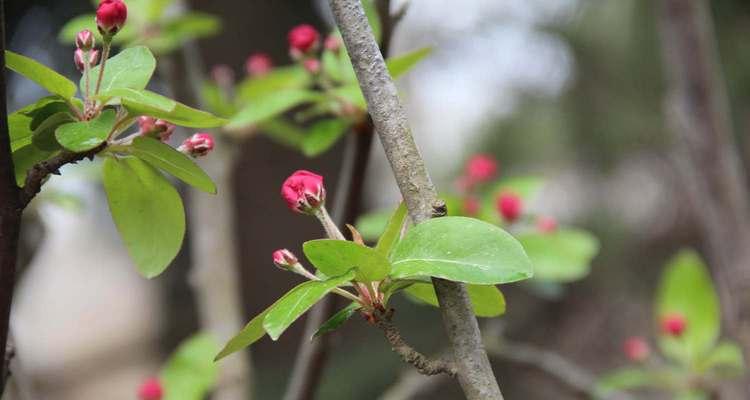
column 474, row 370
column 421, row 362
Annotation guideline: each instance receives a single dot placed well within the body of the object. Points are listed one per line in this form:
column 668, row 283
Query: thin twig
column 421, row 363
column 105, row 55
column 388, row 115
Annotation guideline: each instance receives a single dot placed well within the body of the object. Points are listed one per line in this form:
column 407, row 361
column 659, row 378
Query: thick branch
column 421, row 362
column 385, row 108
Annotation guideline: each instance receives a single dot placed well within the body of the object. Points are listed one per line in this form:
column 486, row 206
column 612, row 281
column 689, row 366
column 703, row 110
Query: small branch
column 474, row 371
column 422, row 363
column 39, row 172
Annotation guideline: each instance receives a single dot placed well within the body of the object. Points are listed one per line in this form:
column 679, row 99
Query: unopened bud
column 197, row 145
column 546, row 224
column 150, row 389
column 332, row 43
column 258, row 64
column 284, row 259
column 111, row 16
column 223, row 75
column 636, row 349
column 312, row 65
column 304, row 192
column 673, row 324
column 79, row 57
column 510, row 206
column 85, row 40
column 303, row 38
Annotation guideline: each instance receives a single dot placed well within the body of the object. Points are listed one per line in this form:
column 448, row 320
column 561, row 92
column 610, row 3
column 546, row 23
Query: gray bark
column 475, row 373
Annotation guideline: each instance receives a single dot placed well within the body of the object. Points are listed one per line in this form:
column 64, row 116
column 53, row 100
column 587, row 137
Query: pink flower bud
column 312, row 65
column 150, row 389
column 303, row 38
column 164, row 130
column 284, row 259
column 332, row 43
column 303, row 191
column 146, row 124
column 258, row 64
column 223, row 75
column 510, row 206
column 673, row 324
column 471, row 206
column 79, row 58
column 197, row 145
column 546, row 224
column 85, row 40
column 111, row 16
column 481, row 168
column 636, row 349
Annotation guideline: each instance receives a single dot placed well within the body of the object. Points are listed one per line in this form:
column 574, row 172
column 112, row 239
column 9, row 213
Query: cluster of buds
column 150, row 389
column 85, row 55
column 197, row 145
column 673, row 324
column 155, row 128
column 110, row 17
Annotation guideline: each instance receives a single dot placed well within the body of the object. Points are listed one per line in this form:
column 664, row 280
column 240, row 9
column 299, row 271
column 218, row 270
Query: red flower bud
column 636, row 349
column 481, row 168
column 510, row 206
column 146, row 124
column 150, row 389
column 258, row 64
column 79, row 58
column 332, row 43
column 303, row 191
column 197, row 145
column 471, row 206
column 303, row 38
column 546, row 224
column 85, row 40
column 673, row 324
column 312, row 65
column 284, row 259
column 111, row 16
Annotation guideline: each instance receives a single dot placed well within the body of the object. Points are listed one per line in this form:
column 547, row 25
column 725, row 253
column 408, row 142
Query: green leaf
column 726, row 357
column 335, row 257
column 401, row 64
column 487, row 300
column 87, row 21
column 86, row 135
column 624, row 379
column 191, row 372
column 686, row 288
column 131, row 68
column 322, row 135
column 25, row 121
column 460, row 249
column 44, row 134
column 283, row 132
column 168, row 159
column 270, row 106
column 351, row 94
column 337, row 320
column 560, row 256
column 251, row 333
column 372, row 225
column 392, row 232
column 277, row 80
column 298, row 301
column 216, row 100
column 148, row 213
column 26, row 157
column 144, row 102
column 40, row 74
column 527, row 187
column 332, row 65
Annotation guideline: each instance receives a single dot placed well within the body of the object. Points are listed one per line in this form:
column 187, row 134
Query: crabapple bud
column 481, row 168
column 258, row 64
column 332, row 43
column 150, row 389
column 312, row 65
column 85, row 40
column 79, row 58
column 304, row 192
column 111, row 16
column 284, row 259
column 303, row 38
column 510, row 206
column 673, row 324
column 197, row 145
column 546, row 224
column 636, row 349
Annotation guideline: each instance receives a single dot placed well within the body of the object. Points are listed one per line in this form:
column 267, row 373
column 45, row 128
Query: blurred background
column 569, row 90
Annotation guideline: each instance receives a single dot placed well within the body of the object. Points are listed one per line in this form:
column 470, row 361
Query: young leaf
column 337, row 320
column 251, row 333
column 191, row 372
column 460, row 249
column 401, row 64
column 44, row 134
column 298, row 301
column 392, row 231
column 686, row 288
column 178, row 30
column 322, row 135
column 144, row 102
column 334, row 257
column 41, row 74
column 132, row 68
column 487, row 300
column 561, row 256
column 148, row 213
column 270, row 106
column 86, row 135
column 166, row 158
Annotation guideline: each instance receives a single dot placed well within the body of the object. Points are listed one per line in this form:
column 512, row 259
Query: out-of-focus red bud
column 673, row 324
column 471, row 206
column 150, row 389
column 546, row 224
column 636, row 349
column 258, row 64
column 223, row 75
column 332, row 43
column 510, row 206
column 481, row 168
column 312, row 65
column 303, row 38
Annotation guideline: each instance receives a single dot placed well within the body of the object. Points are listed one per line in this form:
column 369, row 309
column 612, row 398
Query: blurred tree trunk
column 708, row 159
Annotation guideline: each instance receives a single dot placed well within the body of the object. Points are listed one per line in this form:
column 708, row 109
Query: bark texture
column 385, row 108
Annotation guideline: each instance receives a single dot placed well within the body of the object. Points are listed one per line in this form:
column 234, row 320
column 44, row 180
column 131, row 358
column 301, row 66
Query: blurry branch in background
column 214, row 274
column 385, row 108
column 10, row 214
column 312, row 355
column 707, row 154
